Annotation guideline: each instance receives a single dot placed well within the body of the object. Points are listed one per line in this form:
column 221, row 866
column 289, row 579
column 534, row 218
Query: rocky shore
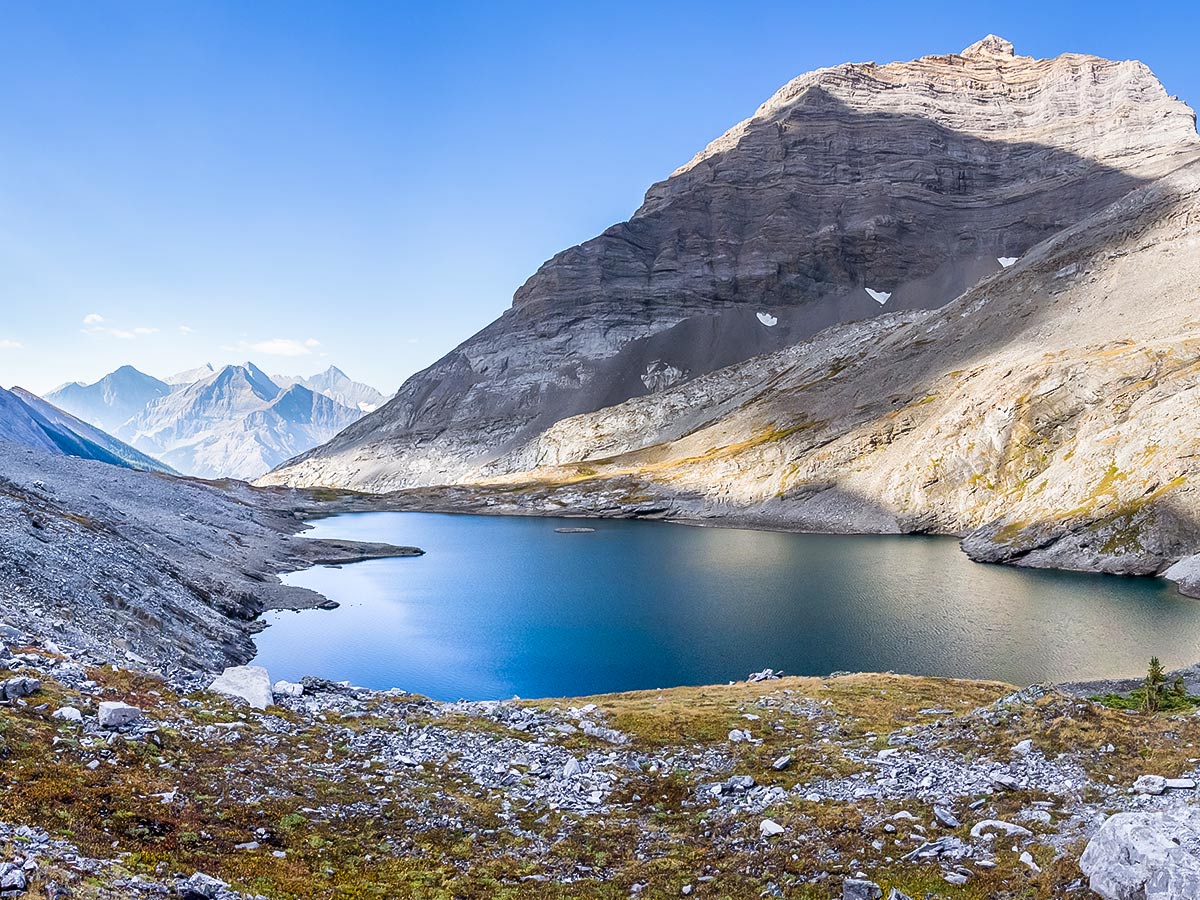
column 118, row 781
column 147, row 569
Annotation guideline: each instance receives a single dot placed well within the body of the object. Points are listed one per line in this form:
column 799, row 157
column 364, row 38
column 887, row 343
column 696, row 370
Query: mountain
column 30, row 421
column 860, row 192
column 190, row 376
column 113, row 400
column 236, row 423
column 1049, row 416
column 333, row 382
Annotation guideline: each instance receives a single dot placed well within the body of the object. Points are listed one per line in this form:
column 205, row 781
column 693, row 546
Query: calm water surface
column 503, row 606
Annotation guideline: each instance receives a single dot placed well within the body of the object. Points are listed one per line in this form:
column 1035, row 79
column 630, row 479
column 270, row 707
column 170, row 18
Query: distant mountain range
column 30, row 421
column 113, row 400
column 333, row 382
column 230, row 422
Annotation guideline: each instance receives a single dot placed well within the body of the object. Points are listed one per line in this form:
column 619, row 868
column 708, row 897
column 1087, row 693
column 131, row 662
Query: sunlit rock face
column 854, row 191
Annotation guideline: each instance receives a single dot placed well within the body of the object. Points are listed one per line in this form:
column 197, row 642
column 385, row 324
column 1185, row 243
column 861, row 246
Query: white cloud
column 312, row 342
column 94, row 323
column 281, row 347
column 6, row 344
column 186, row 329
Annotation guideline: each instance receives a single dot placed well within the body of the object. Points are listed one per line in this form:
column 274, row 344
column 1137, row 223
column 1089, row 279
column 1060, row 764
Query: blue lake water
column 504, row 606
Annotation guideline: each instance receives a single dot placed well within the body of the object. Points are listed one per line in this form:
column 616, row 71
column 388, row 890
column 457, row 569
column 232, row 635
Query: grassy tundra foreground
column 785, row 787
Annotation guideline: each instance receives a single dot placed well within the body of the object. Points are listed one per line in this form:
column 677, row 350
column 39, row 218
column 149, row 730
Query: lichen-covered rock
column 1145, row 856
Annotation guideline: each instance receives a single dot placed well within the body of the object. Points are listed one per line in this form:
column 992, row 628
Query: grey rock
column 200, row 887
column 945, row 817
column 16, row 688
column 860, row 889
column 782, row 763
column 12, row 882
column 1145, row 856
column 1150, row 784
column 115, row 714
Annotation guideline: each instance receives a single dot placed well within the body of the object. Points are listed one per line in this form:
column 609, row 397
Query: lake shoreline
column 933, row 554
column 491, row 500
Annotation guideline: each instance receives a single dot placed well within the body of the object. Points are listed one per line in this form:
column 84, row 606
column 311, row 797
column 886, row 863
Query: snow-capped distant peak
column 191, row 376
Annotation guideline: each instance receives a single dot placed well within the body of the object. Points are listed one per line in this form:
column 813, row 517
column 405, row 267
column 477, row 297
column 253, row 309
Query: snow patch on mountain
column 880, row 297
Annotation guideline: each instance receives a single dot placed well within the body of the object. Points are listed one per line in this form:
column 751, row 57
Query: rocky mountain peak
column 992, row 45
column 854, row 191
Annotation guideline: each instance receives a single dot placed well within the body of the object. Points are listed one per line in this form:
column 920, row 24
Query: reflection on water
column 503, row 606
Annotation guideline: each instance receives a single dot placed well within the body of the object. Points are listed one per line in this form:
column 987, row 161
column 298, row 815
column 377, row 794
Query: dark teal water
column 503, row 606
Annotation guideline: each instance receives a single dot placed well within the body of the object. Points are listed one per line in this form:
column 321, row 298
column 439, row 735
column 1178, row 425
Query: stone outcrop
column 1145, row 856
column 856, row 191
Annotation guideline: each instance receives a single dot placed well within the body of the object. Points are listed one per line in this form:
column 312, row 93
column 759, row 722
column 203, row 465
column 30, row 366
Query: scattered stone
column 1027, row 859
column 67, row 714
column 782, row 763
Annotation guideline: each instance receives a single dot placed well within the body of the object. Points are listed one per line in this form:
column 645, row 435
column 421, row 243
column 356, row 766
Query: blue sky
column 366, row 184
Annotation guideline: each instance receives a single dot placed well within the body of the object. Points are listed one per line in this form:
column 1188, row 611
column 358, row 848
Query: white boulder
column 992, row 826
column 249, row 683
column 769, row 828
column 1145, row 855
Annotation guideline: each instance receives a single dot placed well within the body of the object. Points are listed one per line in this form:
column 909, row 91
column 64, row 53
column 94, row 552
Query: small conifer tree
column 1155, row 682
